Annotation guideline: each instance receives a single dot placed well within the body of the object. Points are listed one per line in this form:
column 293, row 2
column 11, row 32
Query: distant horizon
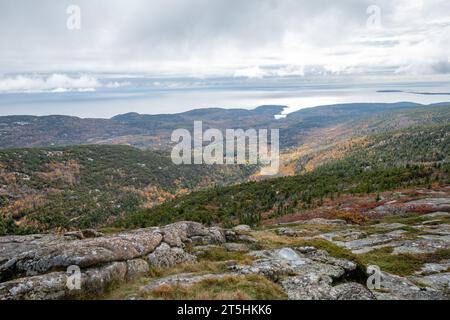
column 97, row 59
column 175, row 95
column 284, row 107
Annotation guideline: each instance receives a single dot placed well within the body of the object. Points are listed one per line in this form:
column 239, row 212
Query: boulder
column 438, row 214
column 351, row 291
column 51, row 286
column 327, row 222
column 308, row 287
column 165, row 257
column 27, row 263
column 54, row 285
column 95, row 281
column 242, row 229
column 429, row 268
column 389, row 226
column 438, row 281
column 288, row 232
column 400, row 288
column 82, row 253
column 136, row 268
column 246, row 238
column 237, row 247
column 423, row 244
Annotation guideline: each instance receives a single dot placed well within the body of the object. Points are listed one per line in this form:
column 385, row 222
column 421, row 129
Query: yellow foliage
column 351, row 217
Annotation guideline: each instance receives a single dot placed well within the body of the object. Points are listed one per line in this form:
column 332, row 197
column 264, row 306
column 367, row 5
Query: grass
column 270, row 240
column 331, row 248
column 408, row 219
column 232, row 287
column 213, row 261
column 199, row 267
column 221, row 255
column 249, row 287
column 401, row 264
column 124, row 290
column 236, row 287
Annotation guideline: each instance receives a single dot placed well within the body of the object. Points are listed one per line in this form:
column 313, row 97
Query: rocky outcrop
column 401, row 288
column 396, row 208
column 306, row 273
column 237, row 247
column 427, row 237
column 36, row 266
column 303, row 273
column 165, row 256
column 239, row 233
column 288, row 232
column 87, row 263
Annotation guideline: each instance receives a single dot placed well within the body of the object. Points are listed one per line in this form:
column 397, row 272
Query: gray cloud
column 223, row 36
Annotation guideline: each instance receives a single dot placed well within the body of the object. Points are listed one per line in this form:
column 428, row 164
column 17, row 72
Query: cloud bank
column 252, row 38
column 56, row 83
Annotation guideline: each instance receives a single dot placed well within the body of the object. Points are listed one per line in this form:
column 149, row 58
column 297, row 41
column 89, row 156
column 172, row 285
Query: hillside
column 412, row 157
column 144, row 131
column 154, row 131
column 94, row 185
column 372, row 191
column 86, row 186
column 333, row 142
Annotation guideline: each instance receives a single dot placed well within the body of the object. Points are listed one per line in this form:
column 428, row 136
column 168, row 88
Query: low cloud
column 55, row 83
column 52, row 83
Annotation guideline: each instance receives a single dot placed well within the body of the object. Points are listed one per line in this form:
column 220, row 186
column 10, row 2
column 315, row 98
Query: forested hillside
column 334, row 142
column 413, row 157
column 87, row 186
column 98, row 185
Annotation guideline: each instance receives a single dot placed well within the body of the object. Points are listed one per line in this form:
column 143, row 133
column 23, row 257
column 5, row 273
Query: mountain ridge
column 153, row 131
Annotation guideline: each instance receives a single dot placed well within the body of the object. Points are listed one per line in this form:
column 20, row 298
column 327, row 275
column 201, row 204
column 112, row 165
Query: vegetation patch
column 248, row 287
column 352, row 217
column 408, row 219
column 91, row 186
column 221, row 254
column 401, row 264
column 413, row 157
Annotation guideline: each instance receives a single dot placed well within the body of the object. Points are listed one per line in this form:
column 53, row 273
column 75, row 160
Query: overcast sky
column 209, row 38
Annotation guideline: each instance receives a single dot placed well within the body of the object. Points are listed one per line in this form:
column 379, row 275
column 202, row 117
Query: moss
column 331, row 248
column 204, row 266
column 401, row 264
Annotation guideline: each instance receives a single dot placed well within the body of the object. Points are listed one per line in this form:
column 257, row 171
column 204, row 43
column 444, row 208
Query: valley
column 363, row 188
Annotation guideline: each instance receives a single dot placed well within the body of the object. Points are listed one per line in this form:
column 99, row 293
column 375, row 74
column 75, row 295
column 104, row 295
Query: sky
column 150, row 51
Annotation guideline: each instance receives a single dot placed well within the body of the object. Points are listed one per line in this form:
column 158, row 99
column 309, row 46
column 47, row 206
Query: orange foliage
column 351, row 217
column 66, row 171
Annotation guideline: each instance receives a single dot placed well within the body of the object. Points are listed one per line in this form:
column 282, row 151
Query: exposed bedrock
column 42, row 266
